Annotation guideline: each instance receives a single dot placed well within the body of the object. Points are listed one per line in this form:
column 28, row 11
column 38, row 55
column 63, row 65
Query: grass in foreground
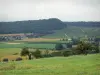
column 73, row 65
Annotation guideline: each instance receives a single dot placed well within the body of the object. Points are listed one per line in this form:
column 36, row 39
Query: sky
column 65, row 10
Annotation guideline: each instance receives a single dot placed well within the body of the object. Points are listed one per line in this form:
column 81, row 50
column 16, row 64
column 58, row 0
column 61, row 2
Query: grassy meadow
column 32, row 42
column 21, row 45
column 9, row 48
column 73, row 65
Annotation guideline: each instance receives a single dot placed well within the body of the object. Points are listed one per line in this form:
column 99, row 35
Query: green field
column 32, row 45
column 73, row 65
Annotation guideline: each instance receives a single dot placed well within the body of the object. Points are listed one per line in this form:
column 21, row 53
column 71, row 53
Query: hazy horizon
column 65, row 10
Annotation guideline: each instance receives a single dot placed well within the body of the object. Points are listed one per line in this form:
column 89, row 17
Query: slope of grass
column 73, row 65
column 74, row 31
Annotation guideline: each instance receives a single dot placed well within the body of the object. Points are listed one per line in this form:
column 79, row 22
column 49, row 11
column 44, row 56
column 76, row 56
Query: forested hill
column 83, row 24
column 34, row 26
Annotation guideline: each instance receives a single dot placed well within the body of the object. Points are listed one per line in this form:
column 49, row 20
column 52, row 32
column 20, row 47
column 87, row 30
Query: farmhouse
column 11, row 37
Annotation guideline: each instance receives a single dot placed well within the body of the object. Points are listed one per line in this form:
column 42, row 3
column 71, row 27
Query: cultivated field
column 73, row 65
column 41, row 43
column 41, row 40
column 32, row 45
column 9, row 48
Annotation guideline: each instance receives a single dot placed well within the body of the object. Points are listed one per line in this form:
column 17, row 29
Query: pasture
column 41, row 43
column 40, row 40
column 73, row 65
column 21, row 45
column 12, row 47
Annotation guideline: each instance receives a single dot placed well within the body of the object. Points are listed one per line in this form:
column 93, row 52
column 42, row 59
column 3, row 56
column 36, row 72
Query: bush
column 83, row 48
column 69, row 45
column 18, row 59
column 46, row 54
column 56, row 53
column 5, row 60
column 37, row 53
column 24, row 51
column 67, row 53
column 59, row 46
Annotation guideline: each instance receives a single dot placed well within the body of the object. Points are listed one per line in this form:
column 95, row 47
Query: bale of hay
column 10, row 57
column 5, row 60
column 19, row 59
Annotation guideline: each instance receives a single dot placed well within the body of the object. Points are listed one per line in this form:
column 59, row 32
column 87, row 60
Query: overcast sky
column 66, row 10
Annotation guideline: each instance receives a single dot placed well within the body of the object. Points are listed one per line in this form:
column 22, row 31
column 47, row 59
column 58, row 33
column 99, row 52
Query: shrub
column 46, row 54
column 37, row 53
column 58, row 46
column 56, row 53
column 25, row 51
column 67, row 53
column 83, row 48
column 69, row 45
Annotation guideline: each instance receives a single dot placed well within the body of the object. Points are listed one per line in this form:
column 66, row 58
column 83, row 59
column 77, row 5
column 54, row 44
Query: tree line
column 45, row 26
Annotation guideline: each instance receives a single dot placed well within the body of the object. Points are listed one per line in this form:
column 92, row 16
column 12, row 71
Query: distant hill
column 51, row 28
column 44, row 26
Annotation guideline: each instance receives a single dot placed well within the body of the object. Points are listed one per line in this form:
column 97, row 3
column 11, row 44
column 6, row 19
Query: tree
column 97, row 47
column 69, row 45
column 75, row 41
column 67, row 53
column 82, row 48
column 59, row 46
column 37, row 53
column 25, row 52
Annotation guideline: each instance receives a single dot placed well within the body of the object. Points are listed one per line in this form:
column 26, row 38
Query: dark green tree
column 25, row 52
column 97, row 47
column 83, row 47
column 69, row 45
column 37, row 53
column 67, row 53
column 59, row 46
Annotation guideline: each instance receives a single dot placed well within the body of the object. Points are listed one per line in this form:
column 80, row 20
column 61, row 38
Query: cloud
column 66, row 10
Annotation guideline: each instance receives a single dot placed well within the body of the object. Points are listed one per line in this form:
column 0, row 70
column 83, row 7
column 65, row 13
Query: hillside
column 84, row 24
column 75, row 31
column 44, row 26
column 51, row 28
column 73, row 65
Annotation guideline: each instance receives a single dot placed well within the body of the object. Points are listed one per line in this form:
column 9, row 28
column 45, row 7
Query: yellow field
column 40, row 40
column 9, row 51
